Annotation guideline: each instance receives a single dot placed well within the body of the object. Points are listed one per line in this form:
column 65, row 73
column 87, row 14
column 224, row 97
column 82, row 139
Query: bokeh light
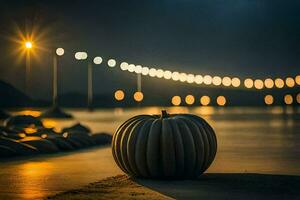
column 175, row 76
column 288, row 99
column 190, row 78
column 269, row 99
column 189, row 99
column 167, row 75
column 182, row 77
column 248, row 83
column 111, row 62
column 207, row 79
column 226, row 81
column 97, row 60
column 138, row 69
column 204, row 100
column 81, row 55
column 159, row 73
column 290, row 82
column 131, row 68
column 124, row 66
column 198, row 79
column 60, row 51
column 269, row 83
column 217, row 80
column 258, row 84
column 152, row 72
column 221, row 100
column 145, row 71
column 119, row 95
column 279, row 83
column 176, row 100
column 138, row 96
column 236, row 82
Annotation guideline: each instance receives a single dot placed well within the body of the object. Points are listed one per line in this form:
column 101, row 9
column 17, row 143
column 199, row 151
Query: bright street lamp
column 28, row 47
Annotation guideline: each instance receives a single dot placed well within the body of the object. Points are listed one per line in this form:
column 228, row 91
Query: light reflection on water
column 254, row 140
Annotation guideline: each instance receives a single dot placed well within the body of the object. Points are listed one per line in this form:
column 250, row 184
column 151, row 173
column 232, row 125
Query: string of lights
column 208, row 80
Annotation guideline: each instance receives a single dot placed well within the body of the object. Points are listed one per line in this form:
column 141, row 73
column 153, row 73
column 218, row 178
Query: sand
column 118, row 187
column 208, row 186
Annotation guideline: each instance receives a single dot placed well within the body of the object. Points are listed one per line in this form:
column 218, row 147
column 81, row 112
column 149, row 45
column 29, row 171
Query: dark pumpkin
column 166, row 146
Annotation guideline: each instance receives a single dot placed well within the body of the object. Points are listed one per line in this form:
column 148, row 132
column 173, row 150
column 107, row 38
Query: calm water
column 252, row 140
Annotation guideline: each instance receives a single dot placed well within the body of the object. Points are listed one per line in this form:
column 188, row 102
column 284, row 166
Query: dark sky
column 255, row 38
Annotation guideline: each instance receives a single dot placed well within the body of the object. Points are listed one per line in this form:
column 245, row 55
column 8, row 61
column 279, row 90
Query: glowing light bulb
column 217, row 80
column 131, row 68
column 182, row 77
column 159, row 73
column 138, row 69
column 190, row 78
column 207, row 79
column 119, row 95
column 258, row 84
column 269, row 99
column 152, row 72
column 175, row 76
column 288, row 99
column 124, row 66
column 97, row 60
column 290, row 82
column 269, row 83
column 145, row 71
column 111, row 62
column 189, row 99
column 221, row 100
column 226, row 81
column 138, row 96
column 235, row 82
column 279, row 83
column 167, row 75
column 248, row 83
column 204, row 100
column 60, row 51
column 198, row 79
column 176, row 100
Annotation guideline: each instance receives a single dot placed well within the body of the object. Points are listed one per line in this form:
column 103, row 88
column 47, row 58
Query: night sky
column 245, row 38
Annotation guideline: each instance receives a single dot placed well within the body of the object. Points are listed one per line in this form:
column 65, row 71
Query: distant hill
column 12, row 97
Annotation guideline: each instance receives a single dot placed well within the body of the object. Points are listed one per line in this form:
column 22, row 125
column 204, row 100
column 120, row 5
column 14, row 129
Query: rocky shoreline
column 25, row 135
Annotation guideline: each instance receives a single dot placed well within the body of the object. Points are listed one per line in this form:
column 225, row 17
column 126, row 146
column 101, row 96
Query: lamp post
column 84, row 56
column 58, row 52
column 28, row 47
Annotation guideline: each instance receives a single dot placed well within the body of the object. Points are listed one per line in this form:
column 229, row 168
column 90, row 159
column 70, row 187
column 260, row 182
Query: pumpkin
column 166, row 146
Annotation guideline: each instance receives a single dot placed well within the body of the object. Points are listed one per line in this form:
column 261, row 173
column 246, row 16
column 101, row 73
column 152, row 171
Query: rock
column 22, row 121
column 55, row 112
column 43, row 145
column 102, row 138
column 77, row 128
column 18, row 147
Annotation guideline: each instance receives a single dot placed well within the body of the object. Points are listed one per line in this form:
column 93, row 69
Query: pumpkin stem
column 164, row 114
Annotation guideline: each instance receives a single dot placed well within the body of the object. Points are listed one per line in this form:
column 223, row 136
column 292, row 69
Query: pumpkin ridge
column 200, row 147
column 179, row 149
column 117, row 142
column 131, row 145
column 123, row 145
column 141, row 148
column 168, row 151
column 189, row 147
column 153, row 149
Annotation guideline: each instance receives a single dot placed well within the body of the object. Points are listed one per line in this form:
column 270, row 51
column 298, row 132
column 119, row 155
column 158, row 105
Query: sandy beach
column 208, row 186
